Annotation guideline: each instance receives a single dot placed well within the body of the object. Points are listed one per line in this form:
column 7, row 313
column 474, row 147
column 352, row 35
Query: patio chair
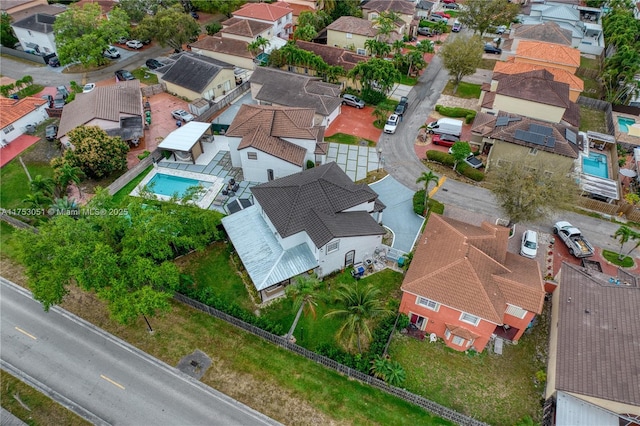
column 225, row 192
column 235, row 187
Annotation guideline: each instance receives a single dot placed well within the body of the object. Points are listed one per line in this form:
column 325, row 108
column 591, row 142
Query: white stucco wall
column 364, row 246
column 46, row 42
column 256, row 170
column 18, row 127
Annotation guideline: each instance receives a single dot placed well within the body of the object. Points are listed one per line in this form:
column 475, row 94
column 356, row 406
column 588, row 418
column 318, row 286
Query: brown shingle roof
column 334, row 56
column 353, row 25
column 13, row 110
column 467, row 268
column 598, row 337
column 314, row 201
column 229, row 46
column 399, row 6
column 563, row 76
column 536, row 86
column 549, row 32
column 263, row 11
column 244, row 27
column 548, row 52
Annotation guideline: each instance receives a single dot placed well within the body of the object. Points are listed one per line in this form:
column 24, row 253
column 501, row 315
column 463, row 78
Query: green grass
column 613, row 257
column 121, row 196
column 487, row 64
column 348, row 139
column 588, row 63
column 592, row 88
column 7, row 240
column 42, row 409
column 591, row 119
column 409, row 81
column 145, row 76
column 465, row 90
column 15, row 184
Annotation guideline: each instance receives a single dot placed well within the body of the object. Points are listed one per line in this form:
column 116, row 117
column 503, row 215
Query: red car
column 448, row 1
column 444, row 15
column 444, row 140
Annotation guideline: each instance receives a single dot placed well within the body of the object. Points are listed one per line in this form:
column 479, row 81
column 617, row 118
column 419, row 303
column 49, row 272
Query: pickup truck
column 572, row 237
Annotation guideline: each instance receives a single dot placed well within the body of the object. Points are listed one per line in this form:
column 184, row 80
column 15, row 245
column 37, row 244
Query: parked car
column 443, row 14
column 64, row 91
column 501, row 29
column 54, row 62
column 122, row 40
column 457, row 26
column 576, row 243
column 402, row 106
column 392, row 124
column 58, row 100
column 473, row 162
column 444, row 139
column 51, row 132
column 194, row 14
column 425, row 31
column 180, row 114
column 134, row 44
column 123, row 75
column 49, row 100
column 452, row 6
column 437, row 18
column 529, row 245
column 112, row 53
column 352, row 100
column 88, row 87
column 488, row 48
column 449, row 1
column 153, row 64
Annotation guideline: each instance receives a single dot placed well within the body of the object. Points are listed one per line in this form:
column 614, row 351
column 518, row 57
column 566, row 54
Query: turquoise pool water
column 595, row 165
column 169, row 185
column 624, row 123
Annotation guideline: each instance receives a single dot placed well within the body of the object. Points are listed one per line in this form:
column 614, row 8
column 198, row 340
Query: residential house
column 18, row 113
column 332, row 56
column 351, row 33
column 593, row 375
column 106, row 6
column 278, row 14
column 270, row 142
column 299, row 6
column 117, row 109
column 583, row 23
column 270, row 86
column 532, row 94
column 225, row 49
column 424, row 8
column 317, row 220
column 246, row 29
column 34, row 28
column 194, row 76
column 404, row 9
column 506, row 136
column 548, row 32
column 548, row 55
column 11, row 7
column 466, row 288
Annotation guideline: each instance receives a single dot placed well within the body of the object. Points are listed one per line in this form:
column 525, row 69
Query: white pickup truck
column 572, row 237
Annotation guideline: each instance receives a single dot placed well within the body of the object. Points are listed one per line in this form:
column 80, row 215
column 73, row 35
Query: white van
column 447, row 126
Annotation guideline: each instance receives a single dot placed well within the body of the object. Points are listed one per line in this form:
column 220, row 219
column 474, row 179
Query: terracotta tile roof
column 104, row 102
column 353, row 25
column 334, row 56
column 465, row 333
column 536, row 86
column 548, row 52
column 315, row 201
column 264, row 11
column 466, row 267
column 563, row 76
column 105, row 5
column 400, row 6
column 13, row 110
column 295, row 90
column 488, row 99
column 228, row 46
column 598, row 337
column 549, row 32
column 245, row 27
column 298, row 8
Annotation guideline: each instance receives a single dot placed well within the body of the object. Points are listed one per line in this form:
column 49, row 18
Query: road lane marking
column 26, row 334
column 112, row 382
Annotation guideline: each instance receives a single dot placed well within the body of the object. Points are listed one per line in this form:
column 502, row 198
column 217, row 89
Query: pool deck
column 624, row 136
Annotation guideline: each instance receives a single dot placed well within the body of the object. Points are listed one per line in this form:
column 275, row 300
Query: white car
column 392, row 124
column 529, row 246
column 112, row 53
column 180, row 114
column 134, row 44
column 88, row 87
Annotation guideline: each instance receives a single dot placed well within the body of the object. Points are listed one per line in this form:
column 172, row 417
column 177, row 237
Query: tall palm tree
column 66, row 174
column 257, row 46
column 360, row 305
column 427, row 178
column 44, row 185
column 397, row 46
column 623, row 235
column 303, row 293
column 37, row 200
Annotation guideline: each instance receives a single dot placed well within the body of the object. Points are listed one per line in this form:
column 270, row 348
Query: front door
column 419, row 321
column 348, row 258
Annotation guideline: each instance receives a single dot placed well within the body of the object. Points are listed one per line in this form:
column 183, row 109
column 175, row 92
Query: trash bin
column 401, row 261
column 30, row 129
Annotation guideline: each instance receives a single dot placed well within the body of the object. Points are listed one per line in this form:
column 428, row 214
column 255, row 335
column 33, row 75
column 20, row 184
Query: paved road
column 102, row 377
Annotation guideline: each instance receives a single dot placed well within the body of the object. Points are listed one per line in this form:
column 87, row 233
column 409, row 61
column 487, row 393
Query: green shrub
column 310, row 164
column 373, row 97
column 213, row 28
column 144, row 155
column 418, row 204
column 440, row 157
column 470, row 172
column 468, row 114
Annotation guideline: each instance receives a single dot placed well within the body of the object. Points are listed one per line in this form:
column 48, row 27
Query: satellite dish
column 433, row 337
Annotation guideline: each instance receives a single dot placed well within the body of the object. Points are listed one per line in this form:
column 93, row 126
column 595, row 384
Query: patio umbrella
column 628, row 173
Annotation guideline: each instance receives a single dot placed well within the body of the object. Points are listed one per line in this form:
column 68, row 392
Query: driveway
column 399, row 216
column 354, row 121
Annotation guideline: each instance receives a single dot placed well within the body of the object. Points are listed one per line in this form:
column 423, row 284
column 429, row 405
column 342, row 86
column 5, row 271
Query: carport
column 185, row 143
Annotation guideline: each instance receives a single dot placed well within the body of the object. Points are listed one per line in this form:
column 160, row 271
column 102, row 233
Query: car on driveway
column 50, row 132
column 352, row 100
column 194, row 14
column 437, row 18
column 529, row 245
column 425, row 31
column 452, row 6
column 501, row 29
column 444, row 139
column 123, row 75
column 489, row 48
column 392, row 124
column 449, row 1
column 134, row 44
column 49, row 100
column 58, row 100
column 402, row 106
column 88, row 87
column 180, row 114
column 112, row 53
column 54, row 62
column 153, row 64
column 473, row 161
column 457, row 26
column 122, row 40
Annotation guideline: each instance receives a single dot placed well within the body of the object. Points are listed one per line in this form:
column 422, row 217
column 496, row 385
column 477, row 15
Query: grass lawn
column 15, row 184
column 592, row 88
column 121, row 196
column 348, row 139
column 592, row 119
column 145, row 76
column 465, row 90
column 613, row 257
column 487, row 64
column 497, row 389
column 588, row 63
column 409, row 81
column 42, row 409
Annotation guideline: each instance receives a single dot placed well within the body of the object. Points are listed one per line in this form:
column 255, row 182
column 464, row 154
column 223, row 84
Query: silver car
column 352, row 100
column 180, row 114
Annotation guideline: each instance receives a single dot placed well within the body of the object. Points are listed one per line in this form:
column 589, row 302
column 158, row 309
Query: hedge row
column 448, row 160
column 468, row 114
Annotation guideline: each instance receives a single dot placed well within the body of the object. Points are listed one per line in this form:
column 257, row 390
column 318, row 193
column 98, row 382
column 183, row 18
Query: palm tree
column 397, row 46
column 37, row 200
column 427, row 178
column 66, row 174
column 360, row 305
column 44, row 185
column 257, row 46
column 623, row 235
column 440, row 28
column 303, row 293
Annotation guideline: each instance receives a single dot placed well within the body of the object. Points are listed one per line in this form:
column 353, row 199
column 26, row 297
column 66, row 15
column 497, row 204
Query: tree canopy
column 138, row 9
column 7, row 38
column 82, row 35
column 529, row 188
column 479, row 15
column 375, row 74
column 461, row 56
column 318, row 19
column 169, row 27
column 226, row 7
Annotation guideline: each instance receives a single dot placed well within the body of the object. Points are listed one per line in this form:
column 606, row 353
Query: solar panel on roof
column 514, row 119
column 530, row 137
column 502, row 121
column 571, row 135
column 551, row 142
column 543, row 130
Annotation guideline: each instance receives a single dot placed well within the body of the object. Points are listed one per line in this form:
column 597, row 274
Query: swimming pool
column 624, row 123
column 169, row 185
column 595, row 165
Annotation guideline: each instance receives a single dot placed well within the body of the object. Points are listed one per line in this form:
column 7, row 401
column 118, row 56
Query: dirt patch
column 454, row 101
column 42, row 152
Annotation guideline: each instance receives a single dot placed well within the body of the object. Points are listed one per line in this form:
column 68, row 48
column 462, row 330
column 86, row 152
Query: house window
column 333, row 246
column 349, row 35
column 515, row 311
column 533, row 151
column 468, row 318
column 291, row 68
column 252, row 155
column 447, row 333
column 457, row 340
column 430, row 304
column 269, row 175
column 8, row 129
column 361, row 51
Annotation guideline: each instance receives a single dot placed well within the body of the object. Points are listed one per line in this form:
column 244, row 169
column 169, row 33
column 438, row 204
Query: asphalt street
column 103, row 378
